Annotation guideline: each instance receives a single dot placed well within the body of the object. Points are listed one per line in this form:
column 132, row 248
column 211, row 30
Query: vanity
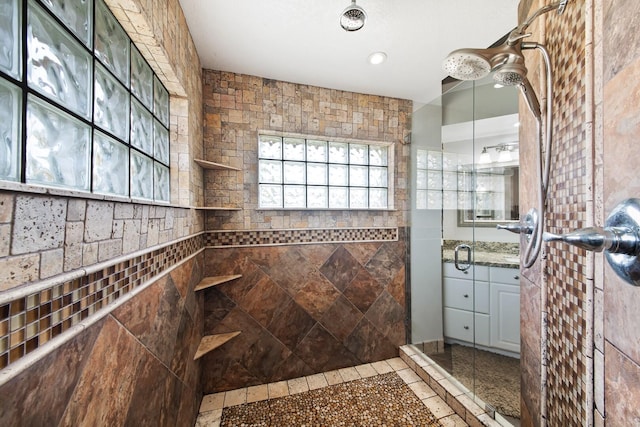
column 481, row 305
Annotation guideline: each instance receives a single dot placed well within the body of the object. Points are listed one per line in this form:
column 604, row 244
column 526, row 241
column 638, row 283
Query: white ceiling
column 301, row 41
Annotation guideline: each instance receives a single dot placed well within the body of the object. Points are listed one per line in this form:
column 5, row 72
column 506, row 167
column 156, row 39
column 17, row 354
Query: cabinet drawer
column 479, row 272
column 460, row 325
column 510, row 276
column 460, row 294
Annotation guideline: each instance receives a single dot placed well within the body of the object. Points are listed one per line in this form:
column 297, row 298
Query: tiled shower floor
column 307, row 388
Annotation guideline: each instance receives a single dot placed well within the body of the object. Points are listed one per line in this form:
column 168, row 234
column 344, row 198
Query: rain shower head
column 467, row 64
column 353, row 17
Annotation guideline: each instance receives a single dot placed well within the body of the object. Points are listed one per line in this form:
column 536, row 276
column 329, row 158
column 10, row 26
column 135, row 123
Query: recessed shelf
column 212, row 165
column 211, row 342
column 208, row 282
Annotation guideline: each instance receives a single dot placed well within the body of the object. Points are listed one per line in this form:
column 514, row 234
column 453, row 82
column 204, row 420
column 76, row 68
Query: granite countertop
column 491, row 259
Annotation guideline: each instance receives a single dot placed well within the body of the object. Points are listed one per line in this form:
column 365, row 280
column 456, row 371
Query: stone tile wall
column 303, row 309
column 237, row 106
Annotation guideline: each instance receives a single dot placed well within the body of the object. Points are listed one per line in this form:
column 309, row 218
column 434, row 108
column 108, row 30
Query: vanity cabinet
column 487, row 313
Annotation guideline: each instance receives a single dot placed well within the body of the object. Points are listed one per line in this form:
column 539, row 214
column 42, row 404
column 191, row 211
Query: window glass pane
column 270, row 147
column 358, row 176
column 75, row 14
column 338, row 197
column 141, row 127
column 338, row 175
column 294, row 196
column 317, row 173
column 358, row 198
column 10, row 130
column 433, row 160
column 58, row 147
column 109, row 156
column 358, row 154
column 293, row 148
column 421, row 179
column 161, row 182
column 141, row 176
column 434, row 199
column 338, row 152
column 160, row 102
column 377, row 177
column 421, row 199
column 270, row 172
column 58, row 66
column 270, row 196
column 111, row 104
column 11, row 36
column 111, row 43
column 294, row 173
column 161, row 142
column 450, row 181
column 141, row 79
column 317, row 197
column 378, row 155
column 317, row 151
column 434, row 180
column 378, row 198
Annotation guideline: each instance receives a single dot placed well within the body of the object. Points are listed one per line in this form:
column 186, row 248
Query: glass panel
column 317, row 197
column 141, row 79
column 294, row 196
column 421, row 159
column 421, row 199
column 434, row 160
column 293, row 148
column 338, row 175
column 58, row 147
column 108, row 157
column 111, row 43
column 358, row 154
column 57, row 66
column 10, row 130
column 316, row 151
column 161, row 142
column 141, row 176
column 377, row 177
column 111, row 104
column 141, row 127
column 338, row 152
column 317, row 174
column 358, row 176
column 378, row 155
column 11, row 36
column 270, row 196
column 358, row 198
column 450, row 200
column 434, row 180
column 421, row 179
column 270, row 147
column 160, row 102
column 449, row 161
column 294, row 173
column 434, row 199
column 338, row 197
column 160, row 182
column 378, row 198
column 270, row 171
column 450, row 181
column 76, row 15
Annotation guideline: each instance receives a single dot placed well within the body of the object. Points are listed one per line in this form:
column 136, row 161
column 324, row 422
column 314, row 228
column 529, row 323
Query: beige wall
column 238, row 106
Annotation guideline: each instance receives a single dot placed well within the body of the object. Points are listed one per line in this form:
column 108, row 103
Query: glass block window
column 306, row 173
column 81, row 108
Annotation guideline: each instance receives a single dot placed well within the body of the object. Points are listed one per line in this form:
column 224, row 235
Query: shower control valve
column 619, row 240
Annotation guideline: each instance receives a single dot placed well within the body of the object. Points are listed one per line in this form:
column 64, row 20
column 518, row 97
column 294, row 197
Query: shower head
column 353, row 17
column 466, row 64
column 511, row 73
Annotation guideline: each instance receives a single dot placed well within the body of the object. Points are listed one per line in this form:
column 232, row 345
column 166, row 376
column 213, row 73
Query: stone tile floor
column 234, row 405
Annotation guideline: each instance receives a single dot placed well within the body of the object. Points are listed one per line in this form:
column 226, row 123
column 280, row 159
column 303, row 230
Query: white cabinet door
column 505, row 317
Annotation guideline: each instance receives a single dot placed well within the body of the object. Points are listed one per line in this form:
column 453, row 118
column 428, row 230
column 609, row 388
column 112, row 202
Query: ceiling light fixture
column 353, row 17
column 377, row 58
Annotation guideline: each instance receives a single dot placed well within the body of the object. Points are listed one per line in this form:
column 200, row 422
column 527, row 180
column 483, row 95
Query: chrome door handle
column 456, row 259
column 619, row 240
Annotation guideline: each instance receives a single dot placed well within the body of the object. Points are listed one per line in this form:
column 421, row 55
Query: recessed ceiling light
column 377, row 58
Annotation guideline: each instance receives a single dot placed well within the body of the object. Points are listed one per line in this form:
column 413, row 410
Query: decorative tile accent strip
column 238, row 238
column 28, row 322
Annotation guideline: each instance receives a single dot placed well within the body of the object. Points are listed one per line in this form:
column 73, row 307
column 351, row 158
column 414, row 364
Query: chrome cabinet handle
column 456, row 257
column 619, row 240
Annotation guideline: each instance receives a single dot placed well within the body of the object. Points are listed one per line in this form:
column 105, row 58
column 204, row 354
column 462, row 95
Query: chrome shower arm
column 519, row 31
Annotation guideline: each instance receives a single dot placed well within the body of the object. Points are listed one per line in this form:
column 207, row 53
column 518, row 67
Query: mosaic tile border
column 29, row 321
column 240, row 238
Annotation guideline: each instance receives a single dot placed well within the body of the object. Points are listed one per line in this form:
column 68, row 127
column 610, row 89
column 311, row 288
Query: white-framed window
column 81, row 109
column 308, row 172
